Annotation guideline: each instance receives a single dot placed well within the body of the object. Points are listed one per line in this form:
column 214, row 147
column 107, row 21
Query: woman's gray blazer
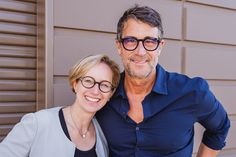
column 40, row 135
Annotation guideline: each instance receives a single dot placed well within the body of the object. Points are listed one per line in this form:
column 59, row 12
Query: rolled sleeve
column 213, row 117
column 215, row 139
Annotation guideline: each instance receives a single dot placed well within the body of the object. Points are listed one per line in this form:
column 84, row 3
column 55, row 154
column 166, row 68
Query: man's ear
column 118, row 46
column 161, row 45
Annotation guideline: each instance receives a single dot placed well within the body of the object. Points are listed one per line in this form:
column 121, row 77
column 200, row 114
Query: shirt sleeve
column 19, row 140
column 213, row 117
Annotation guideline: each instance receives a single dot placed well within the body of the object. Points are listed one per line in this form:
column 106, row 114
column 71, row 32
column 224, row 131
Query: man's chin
column 138, row 72
column 139, row 75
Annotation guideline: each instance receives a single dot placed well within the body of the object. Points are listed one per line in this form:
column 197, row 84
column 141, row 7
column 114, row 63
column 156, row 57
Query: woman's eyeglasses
column 89, row 82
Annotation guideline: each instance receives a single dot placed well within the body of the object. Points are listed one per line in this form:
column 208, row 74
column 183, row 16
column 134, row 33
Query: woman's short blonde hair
column 83, row 66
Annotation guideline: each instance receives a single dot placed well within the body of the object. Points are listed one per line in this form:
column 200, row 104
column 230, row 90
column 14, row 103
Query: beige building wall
column 200, row 41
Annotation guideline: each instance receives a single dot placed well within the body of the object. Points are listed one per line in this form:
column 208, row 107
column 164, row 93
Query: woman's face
column 92, row 99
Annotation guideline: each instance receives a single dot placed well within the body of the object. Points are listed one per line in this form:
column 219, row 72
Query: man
column 152, row 113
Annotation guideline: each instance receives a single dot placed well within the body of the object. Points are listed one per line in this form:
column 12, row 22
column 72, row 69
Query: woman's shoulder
column 47, row 115
column 42, row 117
column 48, row 112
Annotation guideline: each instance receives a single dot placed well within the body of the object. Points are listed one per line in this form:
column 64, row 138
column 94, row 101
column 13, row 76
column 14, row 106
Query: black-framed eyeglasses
column 89, row 82
column 131, row 43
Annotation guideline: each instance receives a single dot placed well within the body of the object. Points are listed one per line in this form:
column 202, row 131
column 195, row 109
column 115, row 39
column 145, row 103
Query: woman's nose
column 95, row 88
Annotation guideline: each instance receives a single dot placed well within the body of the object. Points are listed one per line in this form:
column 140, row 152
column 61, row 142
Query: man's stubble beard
column 138, row 74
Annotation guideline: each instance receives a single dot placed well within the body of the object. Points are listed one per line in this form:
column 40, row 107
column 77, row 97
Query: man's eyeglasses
column 89, row 82
column 131, row 43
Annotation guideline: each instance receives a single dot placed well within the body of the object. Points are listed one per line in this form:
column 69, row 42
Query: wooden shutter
column 17, row 61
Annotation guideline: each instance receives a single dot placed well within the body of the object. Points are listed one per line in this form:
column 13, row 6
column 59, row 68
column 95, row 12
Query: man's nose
column 140, row 50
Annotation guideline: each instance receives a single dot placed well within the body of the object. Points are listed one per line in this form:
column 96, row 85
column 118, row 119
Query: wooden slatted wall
column 17, row 61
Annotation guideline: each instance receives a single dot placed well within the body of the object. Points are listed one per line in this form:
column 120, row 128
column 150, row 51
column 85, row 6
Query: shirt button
column 137, row 128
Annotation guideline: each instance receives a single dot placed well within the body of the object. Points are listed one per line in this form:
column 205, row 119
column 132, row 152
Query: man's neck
column 136, row 86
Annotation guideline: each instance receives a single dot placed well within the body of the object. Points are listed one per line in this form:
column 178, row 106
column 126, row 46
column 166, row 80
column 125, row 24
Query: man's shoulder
column 177, row 78
column 182, row 80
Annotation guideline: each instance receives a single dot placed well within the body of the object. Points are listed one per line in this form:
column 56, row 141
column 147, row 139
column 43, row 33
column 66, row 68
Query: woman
column 71, row 131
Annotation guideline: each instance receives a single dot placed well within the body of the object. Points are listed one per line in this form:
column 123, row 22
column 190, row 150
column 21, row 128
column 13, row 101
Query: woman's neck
column 81, row 119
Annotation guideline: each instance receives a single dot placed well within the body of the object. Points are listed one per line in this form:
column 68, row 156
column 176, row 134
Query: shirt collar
column 159, row 87
column 120, row 91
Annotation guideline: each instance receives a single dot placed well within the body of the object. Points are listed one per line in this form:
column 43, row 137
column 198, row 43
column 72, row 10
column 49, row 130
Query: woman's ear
column 74, row 86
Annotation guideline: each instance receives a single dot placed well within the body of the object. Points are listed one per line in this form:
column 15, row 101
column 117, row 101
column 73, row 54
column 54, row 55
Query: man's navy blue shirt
column 175, row 103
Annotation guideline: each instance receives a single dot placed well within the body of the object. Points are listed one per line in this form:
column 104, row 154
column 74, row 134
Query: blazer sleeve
column 19, row 140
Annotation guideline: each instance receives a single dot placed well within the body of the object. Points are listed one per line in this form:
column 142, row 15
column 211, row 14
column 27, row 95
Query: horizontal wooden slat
column 17, row 74
column 17, row 51
column 26, row 63
column 6, row 85
column 17, row 96
column 6, row 119
column 23, row 40
column 17, row 17
column 14, row 28
column 20, row 107
column 5, row 129
column 17, row 61
column 18, row 6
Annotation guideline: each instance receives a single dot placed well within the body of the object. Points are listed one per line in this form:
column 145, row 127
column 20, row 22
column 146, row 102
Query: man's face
column 139, row 63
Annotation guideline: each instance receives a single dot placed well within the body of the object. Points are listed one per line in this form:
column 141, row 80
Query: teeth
column 92, row 99
column 139, row 62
